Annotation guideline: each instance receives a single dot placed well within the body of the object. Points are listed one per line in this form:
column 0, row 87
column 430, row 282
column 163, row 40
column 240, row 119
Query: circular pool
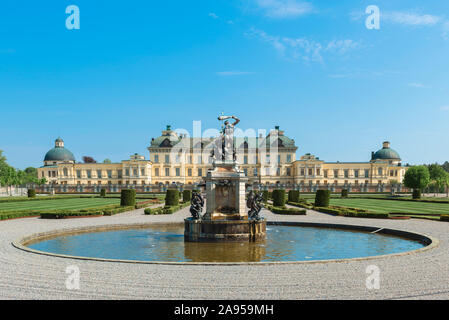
column 286, row 242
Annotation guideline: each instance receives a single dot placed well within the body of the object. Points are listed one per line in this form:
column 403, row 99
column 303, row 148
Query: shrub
column 293, row 196
column 444, row 217
column 186, row 196
column 292, row 211
column 31, row 193
column 322, row 198
column 172, row 197
column 344, row 193
column 128, row 197
column 334, row 212
column 416, row 194
column 265, row 196
column 103, row 193
column 279, row 198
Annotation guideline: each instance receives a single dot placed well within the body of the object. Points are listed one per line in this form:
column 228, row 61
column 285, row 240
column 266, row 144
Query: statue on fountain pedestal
column 196, row 205
column 254, row 203
column 227, row 139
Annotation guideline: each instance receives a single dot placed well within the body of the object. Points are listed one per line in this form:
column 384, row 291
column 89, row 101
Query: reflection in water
column 284, row 243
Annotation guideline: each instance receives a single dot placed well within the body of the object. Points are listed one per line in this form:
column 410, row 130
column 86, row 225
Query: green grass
column 59, row 204
column 388, row 206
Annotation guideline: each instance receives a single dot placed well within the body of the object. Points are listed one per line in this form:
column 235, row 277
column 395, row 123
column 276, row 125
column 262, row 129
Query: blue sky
column 311, row 67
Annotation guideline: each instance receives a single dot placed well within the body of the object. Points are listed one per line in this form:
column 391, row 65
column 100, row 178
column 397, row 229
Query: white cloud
column 213, row 15
column 411, row 19
column 445, row 108
column 233, row 73
column 304, row 49
column 284, row 8
column 446, row 30
column 416, row 85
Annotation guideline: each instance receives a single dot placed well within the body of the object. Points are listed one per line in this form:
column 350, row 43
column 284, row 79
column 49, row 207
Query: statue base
column 224, row 230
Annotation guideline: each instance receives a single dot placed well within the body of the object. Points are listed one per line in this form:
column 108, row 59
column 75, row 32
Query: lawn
column 388, row 206
column 58, row 204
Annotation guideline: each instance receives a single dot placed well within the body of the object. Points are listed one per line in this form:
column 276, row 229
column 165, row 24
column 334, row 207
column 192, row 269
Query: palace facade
column 266, row 160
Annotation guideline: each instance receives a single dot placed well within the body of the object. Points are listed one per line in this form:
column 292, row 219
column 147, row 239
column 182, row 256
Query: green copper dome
column 59, row 154
column 386, row 153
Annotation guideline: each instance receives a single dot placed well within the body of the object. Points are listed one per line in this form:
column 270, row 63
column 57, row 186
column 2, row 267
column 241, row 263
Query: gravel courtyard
column 25, row 275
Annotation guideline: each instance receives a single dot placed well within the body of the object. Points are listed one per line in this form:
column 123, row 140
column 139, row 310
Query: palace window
column 178, row 172
column 346, row 172
column 245, row 159
column 167, row 158
column 189, row 172
column 99, row 174
column 325, row 173
column 119, row 173
column 379, row 171
column 310, row 172
column 246, row 172
column 267, row 158
column 109, row 174
column 289, row 171
column 142, row 172
column 200, row 172
column 255, row 172
column 289, row 158
column 279, row 158
column 302, row 172
column 317, row 172
column 66, row 172
column 156, row 172
column 278, row 171
column 89, row 174
column 356, row 173
column 167, row 172
column 366, row 173
column 127, row 172
column 156, row 158
column 336, row 173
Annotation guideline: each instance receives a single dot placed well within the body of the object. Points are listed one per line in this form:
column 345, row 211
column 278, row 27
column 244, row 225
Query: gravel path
column 25, row 275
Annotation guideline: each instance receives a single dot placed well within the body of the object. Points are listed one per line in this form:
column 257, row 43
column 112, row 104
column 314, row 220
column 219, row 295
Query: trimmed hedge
column 444, row 217
column 69, row 214
column 344, row 193
column 265, row 196
column 293, row 196
column 128, row 197
column 352, row 212
column 31, row 193
column 186, row 196
column 166, row 209
column 172, row 197
column 279, row 198
column 111, row 212
column 288, row 211
column 322, row 198
column 103, row 193
column 416, row 194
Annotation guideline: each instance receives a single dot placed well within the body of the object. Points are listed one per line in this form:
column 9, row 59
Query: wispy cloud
column 213, row 15
column 284, row 8
column 411, row 19
column 416, row 85
column 233, row 73
column 444, row 108
column 363, row 74
column 302, row 48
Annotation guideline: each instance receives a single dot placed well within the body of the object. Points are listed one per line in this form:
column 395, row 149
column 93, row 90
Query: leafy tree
column 417, row 177
column 446, row 166
column 87, row 159
column 107, row 161
column 438, row 176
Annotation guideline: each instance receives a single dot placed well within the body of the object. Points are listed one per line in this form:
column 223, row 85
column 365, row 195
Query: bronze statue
column 196, row 205
column 254, row 203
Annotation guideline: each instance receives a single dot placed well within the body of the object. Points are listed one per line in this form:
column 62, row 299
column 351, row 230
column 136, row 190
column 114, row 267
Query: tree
column 107, row 161
column 438, row 176
column 87, row 159
column 417, row 178
column 446, row 166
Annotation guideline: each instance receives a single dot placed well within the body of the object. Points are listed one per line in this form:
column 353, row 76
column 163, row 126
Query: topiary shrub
column 186, row 196
column 416, row 194
column 344, row 193
column 103, row 193
column 128, row 197
column 31, row 193
column 322, row 198
column 172, row 197
column 279, row 198
column 265, row 196
column 293, row 196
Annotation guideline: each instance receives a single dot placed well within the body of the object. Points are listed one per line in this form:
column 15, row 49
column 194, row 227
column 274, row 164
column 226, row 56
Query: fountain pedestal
column 226, row 218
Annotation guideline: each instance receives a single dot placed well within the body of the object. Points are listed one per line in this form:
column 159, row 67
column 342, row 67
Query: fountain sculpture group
column 226, row 217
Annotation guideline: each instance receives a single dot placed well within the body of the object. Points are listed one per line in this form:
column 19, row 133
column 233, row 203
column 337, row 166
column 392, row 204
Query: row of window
column 357, row 173
column 200, row 159
column 255, row 172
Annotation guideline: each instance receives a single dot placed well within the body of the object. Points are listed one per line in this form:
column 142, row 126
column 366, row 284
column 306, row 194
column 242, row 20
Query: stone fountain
column 226, row 217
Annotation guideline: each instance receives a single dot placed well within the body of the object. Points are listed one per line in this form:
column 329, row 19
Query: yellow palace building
column 268, row 162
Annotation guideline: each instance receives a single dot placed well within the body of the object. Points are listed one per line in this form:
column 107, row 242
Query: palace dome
column 59, row 153
column 386, row 153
